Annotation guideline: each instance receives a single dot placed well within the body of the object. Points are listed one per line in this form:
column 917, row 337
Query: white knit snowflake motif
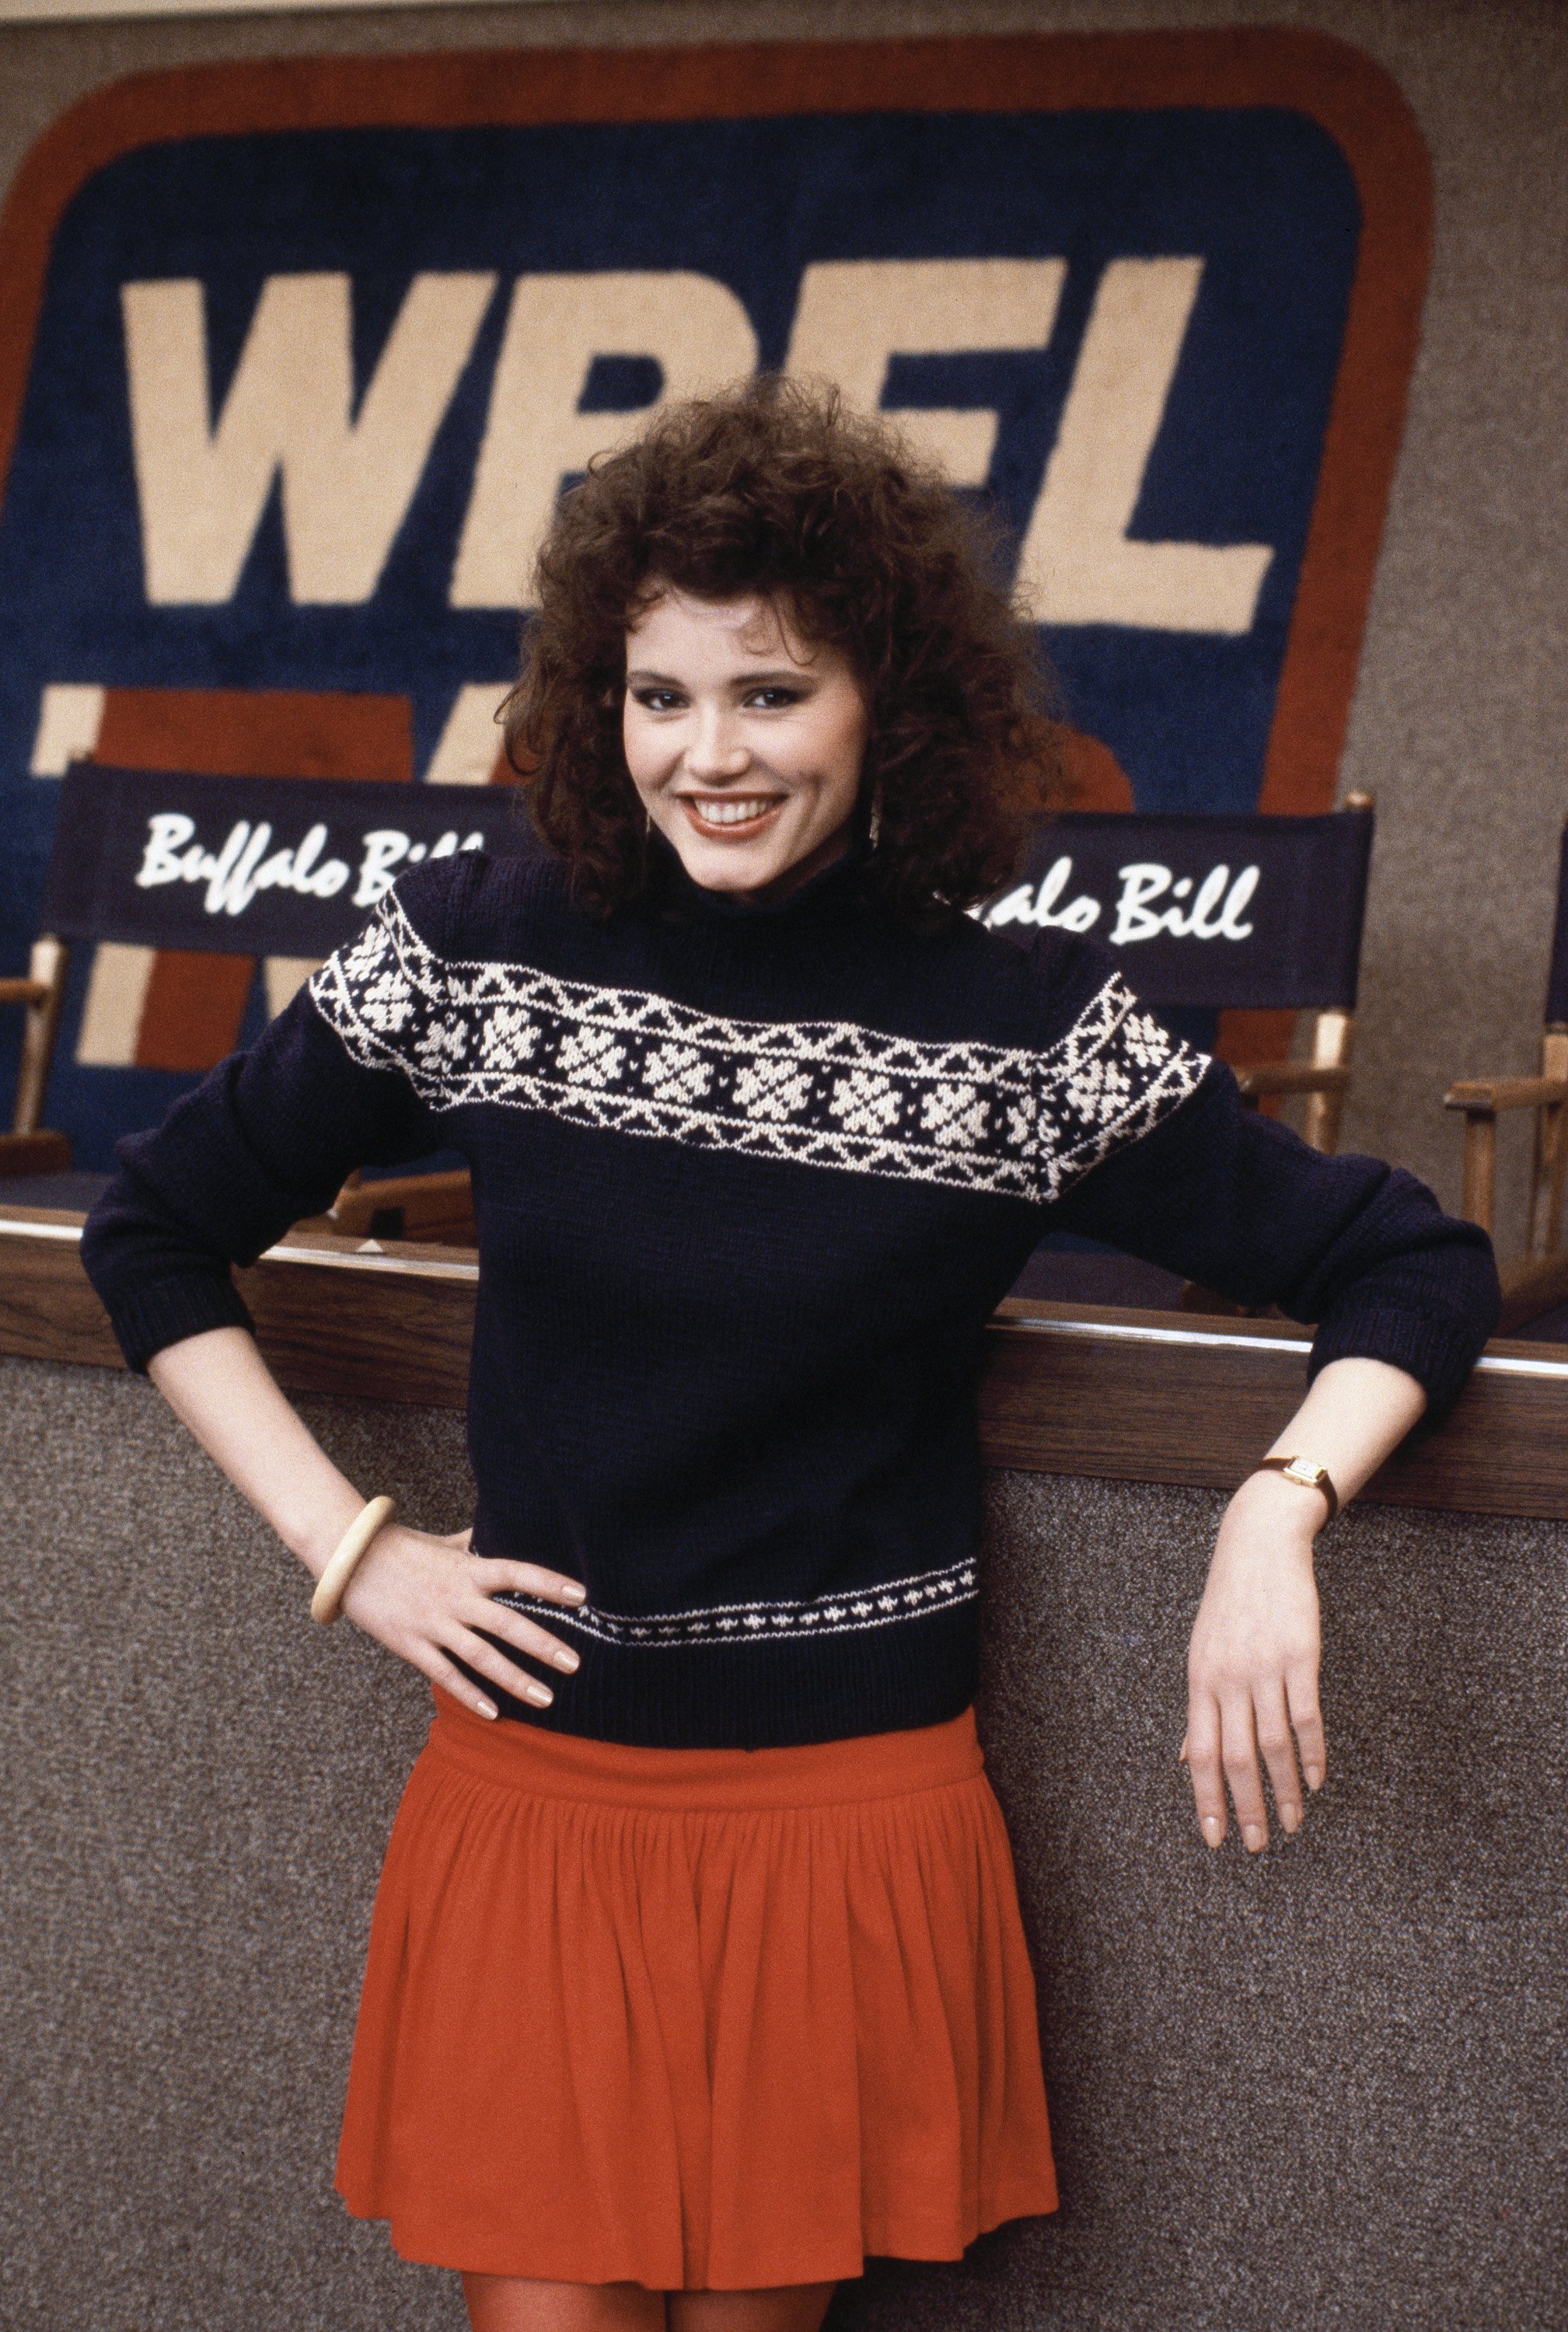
column 863, row 1103
column 776, row 1090
column 677, row 1073
column 590, row 1057
column 507, row 1037
column 955, row 1116
column 384, row 990
column 981, row 1117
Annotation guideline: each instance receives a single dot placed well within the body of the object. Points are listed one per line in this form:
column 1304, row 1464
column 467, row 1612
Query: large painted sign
column 294, row 359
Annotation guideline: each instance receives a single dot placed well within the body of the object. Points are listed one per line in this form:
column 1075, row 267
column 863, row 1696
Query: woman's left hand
column 1252, row 1670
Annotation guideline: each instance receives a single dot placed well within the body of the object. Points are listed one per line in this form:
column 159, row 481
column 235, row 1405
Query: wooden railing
column 1066, row 1388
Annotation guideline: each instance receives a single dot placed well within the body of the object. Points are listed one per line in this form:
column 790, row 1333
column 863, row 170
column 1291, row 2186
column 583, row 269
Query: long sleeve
column 1240, row 1203
column 269, row 1136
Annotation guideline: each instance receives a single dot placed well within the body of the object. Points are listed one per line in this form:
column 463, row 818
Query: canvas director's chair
column 282, row 869
column 1536, row 1281
column 1251, row 914
column 1246, row 913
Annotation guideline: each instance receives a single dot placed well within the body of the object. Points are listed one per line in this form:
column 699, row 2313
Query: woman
column 696, row 1971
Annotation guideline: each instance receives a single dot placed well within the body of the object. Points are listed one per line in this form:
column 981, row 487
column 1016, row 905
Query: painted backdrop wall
column 1160, row 298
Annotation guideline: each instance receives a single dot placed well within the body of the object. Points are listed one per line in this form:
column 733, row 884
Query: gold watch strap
column 1311, row 1476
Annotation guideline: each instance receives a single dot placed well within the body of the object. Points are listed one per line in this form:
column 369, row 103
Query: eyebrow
column 786, row 675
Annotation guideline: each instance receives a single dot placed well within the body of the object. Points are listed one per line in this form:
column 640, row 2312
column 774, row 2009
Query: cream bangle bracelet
column 345, row 1557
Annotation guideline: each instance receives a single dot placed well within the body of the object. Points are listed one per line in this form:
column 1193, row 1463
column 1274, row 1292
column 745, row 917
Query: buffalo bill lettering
column 1215, row 913
column 246, row 863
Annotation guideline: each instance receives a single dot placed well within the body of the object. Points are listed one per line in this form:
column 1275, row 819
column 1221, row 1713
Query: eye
column 774, row 700
column 658, row 700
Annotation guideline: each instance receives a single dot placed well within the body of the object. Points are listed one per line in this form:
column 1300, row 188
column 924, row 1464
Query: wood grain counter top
column 1066, row 1388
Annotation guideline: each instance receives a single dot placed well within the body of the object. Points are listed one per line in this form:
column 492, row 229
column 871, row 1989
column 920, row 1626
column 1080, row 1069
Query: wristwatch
column 1311, row 1476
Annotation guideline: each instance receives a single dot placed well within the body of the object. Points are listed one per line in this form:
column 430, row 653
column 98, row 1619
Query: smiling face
column 745, row 743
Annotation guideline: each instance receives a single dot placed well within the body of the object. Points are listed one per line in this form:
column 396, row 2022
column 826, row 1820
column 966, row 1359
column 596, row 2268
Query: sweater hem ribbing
column 770, row 1695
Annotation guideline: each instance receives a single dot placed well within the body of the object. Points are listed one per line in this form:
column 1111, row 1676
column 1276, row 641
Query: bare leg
column 501, row 2303
column 790, row 2308
column 511, row 2303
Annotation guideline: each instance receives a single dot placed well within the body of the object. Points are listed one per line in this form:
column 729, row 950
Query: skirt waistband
column 538, row 1764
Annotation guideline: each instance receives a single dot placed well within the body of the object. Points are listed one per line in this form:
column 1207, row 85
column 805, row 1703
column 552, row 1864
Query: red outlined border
column 1335, row 85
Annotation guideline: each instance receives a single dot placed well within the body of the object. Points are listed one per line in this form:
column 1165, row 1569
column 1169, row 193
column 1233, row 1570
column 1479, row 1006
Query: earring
column 649, row 819
column 874, row 831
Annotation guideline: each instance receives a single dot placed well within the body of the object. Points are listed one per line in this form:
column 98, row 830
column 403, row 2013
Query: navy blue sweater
column 749, row 1184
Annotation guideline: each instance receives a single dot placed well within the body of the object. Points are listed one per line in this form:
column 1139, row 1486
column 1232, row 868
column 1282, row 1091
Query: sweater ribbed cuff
column 1439, row 1353
column 169, row 1311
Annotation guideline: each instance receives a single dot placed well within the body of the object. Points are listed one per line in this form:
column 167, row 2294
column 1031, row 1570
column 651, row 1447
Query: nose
column 716, row 751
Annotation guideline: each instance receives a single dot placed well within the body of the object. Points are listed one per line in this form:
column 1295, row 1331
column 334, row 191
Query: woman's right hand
column 432, row 1602
column 427, row 1599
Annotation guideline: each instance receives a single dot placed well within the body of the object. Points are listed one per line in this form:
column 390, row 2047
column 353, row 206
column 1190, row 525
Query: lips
column 732, row 817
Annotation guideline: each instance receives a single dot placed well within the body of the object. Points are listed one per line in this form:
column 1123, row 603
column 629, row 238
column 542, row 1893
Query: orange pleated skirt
column 694, row 2019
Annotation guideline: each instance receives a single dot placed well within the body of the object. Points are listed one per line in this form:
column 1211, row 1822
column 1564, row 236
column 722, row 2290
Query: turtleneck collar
column 837, row 886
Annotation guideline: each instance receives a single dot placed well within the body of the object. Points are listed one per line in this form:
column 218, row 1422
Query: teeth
column 731, row 813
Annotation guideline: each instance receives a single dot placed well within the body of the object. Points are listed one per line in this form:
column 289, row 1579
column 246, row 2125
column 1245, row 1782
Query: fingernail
column 1211, row 1828
column 541, row 1695
column 576, row 1593
column 486, row 1709
column 1290, row 1820
column 1254, row 1839
column 1315, row 1777
column 566, row 1658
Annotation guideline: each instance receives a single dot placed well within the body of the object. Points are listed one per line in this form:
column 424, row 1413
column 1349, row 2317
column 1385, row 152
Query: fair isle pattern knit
column 843, row 1614
column 982, row 1117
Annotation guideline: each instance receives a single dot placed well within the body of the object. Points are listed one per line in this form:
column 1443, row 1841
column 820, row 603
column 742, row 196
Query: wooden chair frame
column 1324, row 1079
column 438, row 1207
column 29, row 1148
column 1536, row 1281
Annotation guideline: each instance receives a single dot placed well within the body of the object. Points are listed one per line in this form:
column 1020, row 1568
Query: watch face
column 1300, row 1471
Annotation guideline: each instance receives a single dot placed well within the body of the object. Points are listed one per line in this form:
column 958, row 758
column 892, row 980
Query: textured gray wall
column 1460, row 719
column 1326, row 2091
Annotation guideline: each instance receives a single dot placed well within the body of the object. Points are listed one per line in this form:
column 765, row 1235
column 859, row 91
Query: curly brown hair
column 777, row 489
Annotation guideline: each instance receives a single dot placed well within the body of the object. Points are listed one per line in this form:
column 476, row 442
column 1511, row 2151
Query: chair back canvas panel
column 282, row 869
column 1229, row 914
